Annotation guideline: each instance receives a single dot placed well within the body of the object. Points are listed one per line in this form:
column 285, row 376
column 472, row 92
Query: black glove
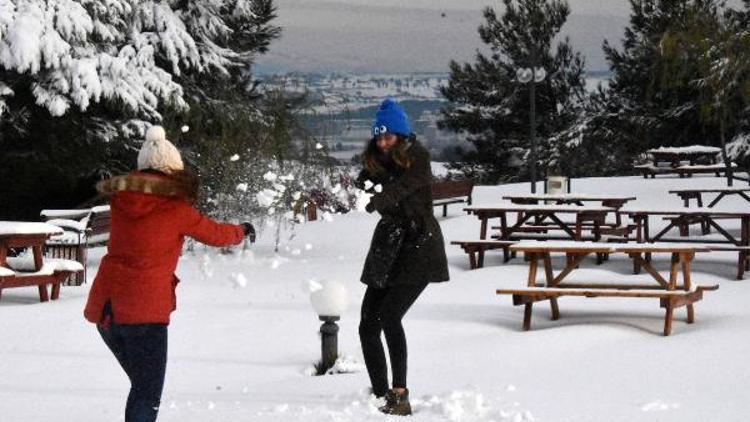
column 370, row 207
column 249, row 231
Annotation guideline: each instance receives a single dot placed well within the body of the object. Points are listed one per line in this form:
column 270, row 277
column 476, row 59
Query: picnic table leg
column 550, row 277
column 668, row 316
column 636, row 263
column 669, row 304
column 38, row 257
column 481, row 256
column 43, row 296
column 717, row 199
column 55, row 290
column 742, row 265
column 503, row 228
column 687, row 283
column 472, row 257
column 483, row 229
column 533, row 264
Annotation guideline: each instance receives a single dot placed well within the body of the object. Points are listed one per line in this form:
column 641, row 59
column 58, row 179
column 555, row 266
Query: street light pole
column 532, row 114
column 532, row 76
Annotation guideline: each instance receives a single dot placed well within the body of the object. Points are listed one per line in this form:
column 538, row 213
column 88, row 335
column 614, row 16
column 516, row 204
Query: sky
column 402, row 36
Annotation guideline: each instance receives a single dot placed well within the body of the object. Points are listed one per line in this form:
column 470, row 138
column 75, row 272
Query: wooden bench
column 452, row 192
column 82, row 229
column 670, row 294
column 476, row 249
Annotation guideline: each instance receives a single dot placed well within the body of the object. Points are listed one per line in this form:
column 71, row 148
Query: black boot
column 396, row 404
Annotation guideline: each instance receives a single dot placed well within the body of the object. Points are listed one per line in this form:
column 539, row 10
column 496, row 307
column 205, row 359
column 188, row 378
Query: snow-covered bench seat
column 452, row 192
column 22, row 272
column 82, row 228
column 476, row 249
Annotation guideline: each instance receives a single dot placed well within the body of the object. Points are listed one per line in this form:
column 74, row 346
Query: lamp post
column 329, row 299
column 532, row 76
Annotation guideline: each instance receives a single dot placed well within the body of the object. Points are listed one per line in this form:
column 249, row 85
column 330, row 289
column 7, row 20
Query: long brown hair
column 400, row 155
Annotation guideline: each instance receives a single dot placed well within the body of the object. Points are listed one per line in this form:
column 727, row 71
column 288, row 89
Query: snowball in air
column 242, row 187
column 379, row 188
column 239, row 280
column 318, row 146
column 270, row 176
column 235, row 157
column 185, row 129
column 368, row 185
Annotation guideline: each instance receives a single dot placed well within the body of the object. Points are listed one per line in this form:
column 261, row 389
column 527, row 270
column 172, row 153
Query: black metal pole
column 329, row 347
column 532, row 113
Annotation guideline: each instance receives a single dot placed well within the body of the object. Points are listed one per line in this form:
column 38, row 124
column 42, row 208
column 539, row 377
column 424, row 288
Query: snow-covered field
column 241, row 347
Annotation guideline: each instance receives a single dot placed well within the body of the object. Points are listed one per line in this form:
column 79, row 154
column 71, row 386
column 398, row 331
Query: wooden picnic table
column 681, row 219
column 687, row 194
column 675, row 155
column 21, row 235
column 666, row 289
column 610, row 201
column 540, row 213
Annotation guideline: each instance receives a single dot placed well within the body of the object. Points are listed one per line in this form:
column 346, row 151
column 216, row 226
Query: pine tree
column 655, row 86
column 80, row 81
column 492, row 107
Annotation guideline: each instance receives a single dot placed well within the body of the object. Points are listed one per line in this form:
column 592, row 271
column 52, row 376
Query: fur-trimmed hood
column 139, row 193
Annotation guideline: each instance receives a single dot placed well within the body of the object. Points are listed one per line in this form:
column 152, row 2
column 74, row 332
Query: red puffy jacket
column 149, row 222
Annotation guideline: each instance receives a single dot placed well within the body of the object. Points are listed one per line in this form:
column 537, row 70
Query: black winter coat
column 407, row 246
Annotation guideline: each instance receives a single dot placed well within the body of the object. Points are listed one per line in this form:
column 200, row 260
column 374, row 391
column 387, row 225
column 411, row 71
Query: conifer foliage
column 488, row 103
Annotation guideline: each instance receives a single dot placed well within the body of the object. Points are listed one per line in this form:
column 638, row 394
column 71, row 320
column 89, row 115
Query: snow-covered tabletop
column 693, row 149
column 532, row 208
column 17, row 227
column 571, row 245
column 570, row 197
column 710, row 190
column 76, row 214
column 689, row 211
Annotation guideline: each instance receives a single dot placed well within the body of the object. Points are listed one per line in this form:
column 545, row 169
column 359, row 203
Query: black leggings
column 141, row 350
column 382, row 311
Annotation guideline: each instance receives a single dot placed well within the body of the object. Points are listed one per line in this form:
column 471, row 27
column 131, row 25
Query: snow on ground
column 244, row 337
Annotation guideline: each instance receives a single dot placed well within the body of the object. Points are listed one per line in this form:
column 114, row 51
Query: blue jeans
column 141, row 350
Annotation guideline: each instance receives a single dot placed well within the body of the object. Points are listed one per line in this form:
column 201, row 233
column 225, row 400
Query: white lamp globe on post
column 329, row 299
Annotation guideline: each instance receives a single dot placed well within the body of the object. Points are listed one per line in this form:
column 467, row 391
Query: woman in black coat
column 407, row 250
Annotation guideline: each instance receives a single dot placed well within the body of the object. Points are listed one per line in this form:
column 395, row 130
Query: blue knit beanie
column 391, row 118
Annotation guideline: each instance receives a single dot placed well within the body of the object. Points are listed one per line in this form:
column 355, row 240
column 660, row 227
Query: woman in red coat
column 133, row 293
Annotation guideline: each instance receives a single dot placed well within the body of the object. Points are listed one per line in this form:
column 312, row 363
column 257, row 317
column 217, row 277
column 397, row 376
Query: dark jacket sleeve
column 416, row 177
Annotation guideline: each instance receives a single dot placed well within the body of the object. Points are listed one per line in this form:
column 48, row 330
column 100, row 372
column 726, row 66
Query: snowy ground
column 242, row 353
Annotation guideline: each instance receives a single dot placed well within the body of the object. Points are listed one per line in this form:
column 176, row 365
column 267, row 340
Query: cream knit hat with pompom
column 157, row 153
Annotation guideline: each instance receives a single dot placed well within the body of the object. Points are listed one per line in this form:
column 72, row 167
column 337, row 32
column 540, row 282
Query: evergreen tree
column 654, row 82
column 80, row 80
column 492, row 107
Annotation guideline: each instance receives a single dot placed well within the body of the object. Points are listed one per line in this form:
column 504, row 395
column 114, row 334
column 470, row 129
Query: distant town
column 342, row 106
